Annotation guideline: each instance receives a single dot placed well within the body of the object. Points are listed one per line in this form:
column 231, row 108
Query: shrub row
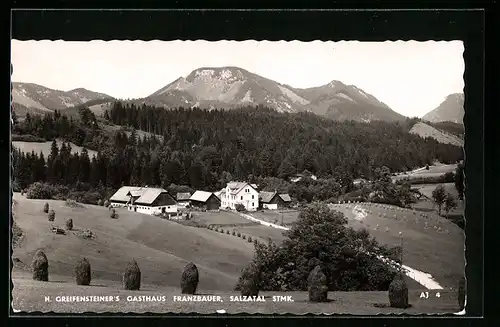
column 234, row 233
column 83, row 194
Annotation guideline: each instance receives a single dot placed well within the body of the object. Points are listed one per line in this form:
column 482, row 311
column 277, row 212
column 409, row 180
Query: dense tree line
column 205, row 149
column 261, row 141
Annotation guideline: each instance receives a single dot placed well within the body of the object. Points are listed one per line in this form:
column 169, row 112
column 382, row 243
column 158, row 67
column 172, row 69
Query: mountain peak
column 231, row 87
column 451, row 109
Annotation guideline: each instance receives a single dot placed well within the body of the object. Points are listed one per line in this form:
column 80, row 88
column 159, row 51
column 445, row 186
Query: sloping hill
column 424, row 130
column 431, row 244
column 160, row 247
column 451, row 109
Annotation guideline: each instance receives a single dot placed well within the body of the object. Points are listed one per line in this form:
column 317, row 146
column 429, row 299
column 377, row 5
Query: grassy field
column 45, row 147
column 277, row 216
column 431, row 244
column 160, row 247
column 222, row 218
column 434, row 171
column 29, row 295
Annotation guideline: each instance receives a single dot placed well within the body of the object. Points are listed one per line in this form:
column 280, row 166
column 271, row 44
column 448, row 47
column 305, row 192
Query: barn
column 183, row 198
column 273, row 200
column 148, row 200
column 205, row 200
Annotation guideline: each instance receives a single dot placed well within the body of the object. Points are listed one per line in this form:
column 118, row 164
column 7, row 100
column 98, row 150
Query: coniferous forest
column 206, row 148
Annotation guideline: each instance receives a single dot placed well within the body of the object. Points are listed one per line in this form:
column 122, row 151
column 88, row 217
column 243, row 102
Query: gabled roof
column 121, row 194
column 143, row 195
column 184, row 196
column 285, row 197
column 200, row 196
column 149, row 195
column 236, row 187
column 266, row 197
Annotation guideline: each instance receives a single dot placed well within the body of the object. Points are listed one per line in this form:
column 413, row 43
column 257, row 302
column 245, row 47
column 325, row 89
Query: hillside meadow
column 44, row 147
column 434, row 171
column 431, row 244
column 162, row 248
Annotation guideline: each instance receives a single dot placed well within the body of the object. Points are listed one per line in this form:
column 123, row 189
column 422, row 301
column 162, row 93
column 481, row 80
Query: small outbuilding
column 274, row 201
column 183, row 198
column 205, row 200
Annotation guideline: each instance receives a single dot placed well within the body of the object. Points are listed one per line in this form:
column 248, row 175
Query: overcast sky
column 410, row 77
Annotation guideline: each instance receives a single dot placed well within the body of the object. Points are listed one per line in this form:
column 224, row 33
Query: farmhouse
column 205, row 200
column 273, row 200
column 183, row 198
column 240, row 193
column 146, row 200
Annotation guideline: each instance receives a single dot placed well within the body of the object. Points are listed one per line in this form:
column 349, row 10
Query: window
column 252, row 196
column 242, row 197
column 252, row 204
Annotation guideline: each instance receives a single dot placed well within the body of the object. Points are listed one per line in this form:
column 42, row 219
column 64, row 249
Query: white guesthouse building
column 146, row 200
column 240, row 193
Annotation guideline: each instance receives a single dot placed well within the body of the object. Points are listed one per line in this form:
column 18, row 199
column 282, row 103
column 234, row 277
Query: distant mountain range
column 227, row 88
column 232, row 87
column 37, row 98
column 451, row 109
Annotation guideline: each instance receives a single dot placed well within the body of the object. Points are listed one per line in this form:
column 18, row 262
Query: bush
column 189, row 279
column 234, row 233
column 244, row 237
column 398, row 292
column 255, row 242
column 227, row 232
column 40, row 267
column 462, row 291
column 73, row 203
column 106, row 203
column 238, row 234
column 83, row 272
column 113, row 214
column 99, row 203
column 46, row 207
column 40, row 190
column 69, row 224
column 240, row 207
column 249, row 239
column 248, row 283
column 132, row 276
column 52, row 215
column 318, row 285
